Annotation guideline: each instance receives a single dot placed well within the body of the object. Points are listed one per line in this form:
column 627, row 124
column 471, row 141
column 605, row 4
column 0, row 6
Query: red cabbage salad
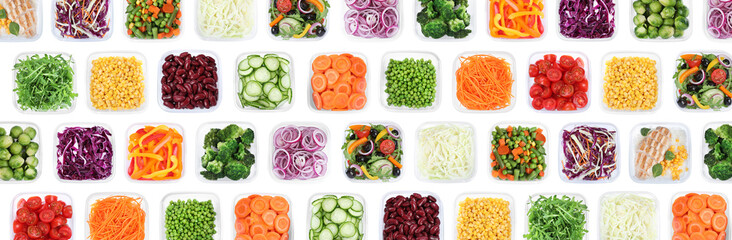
column 719, row 19
column 84, row 153
column 82, row 19
column 590, row 153
column 372, row 18
column 298, row 153
column 591, row 19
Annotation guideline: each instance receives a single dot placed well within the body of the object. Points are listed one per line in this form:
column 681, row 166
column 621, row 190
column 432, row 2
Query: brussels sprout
column 16, row 161
column 668, row 3
column 646, row 1
column 15, row 131
column 652, row 32
column 15, row 148
column 639, row 19
column 5, row 154
column 4, row 163
column 668, row 22
column 2, row 132
column 655, row 20
column 641, row 32
column 24, row 139
column 32, row 149
column 639, row 7
column 30, row 174
column 5, row 141
column 6, row 173
column 31, row 161
column 18, row 174
column 30, row 131
column 655, row 7
column 666, row 32
column 682, row 11
column 681, row 23
column 678, row 33
column 668, row 12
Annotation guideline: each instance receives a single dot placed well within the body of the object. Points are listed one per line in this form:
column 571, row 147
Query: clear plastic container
column 73, row 82
column 676, row 93
column 115, row 155
column 418, row 157
column 670, row 214
column 400, row 143
column 181, row 26
column 615, row 28
column 325, row 149
column 508, row 58
column 39, row 154
column 706, row 22
column 24, row 196
column 407, row 194
column 38, row 15
column 489, row 9
column 98, row 196
column 357, row 197
column 705, row 149
column 687, row 32
column 109, row 19
column 472, row 5
column 326, row 23
column 400, row 25
column 678, row 132
column 540, row 55
column 613, row 175
column 511, row 207
column 238, row 84
column 250, row 13
column 146, row 81
column 401, row 56
column 132, row 129
column 576, row 196
column 547, row 148
column 659, row 80
column 647, row 195
column 219, row 82
column 201, row 197
column 367, row 77
column 291, row 231
column 203, row 130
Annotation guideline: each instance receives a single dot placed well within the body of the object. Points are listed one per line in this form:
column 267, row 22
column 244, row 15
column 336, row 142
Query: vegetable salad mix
column 153, row 19
column 518, row 153
column 83, row 19
column 227, row 153
column 18, row 151
column 660, row 18
column 718, row 158
column 373, row 152
column 44, row 82
column 589, row 153
column 298, row 18
column 702, row 81
column 441, row 18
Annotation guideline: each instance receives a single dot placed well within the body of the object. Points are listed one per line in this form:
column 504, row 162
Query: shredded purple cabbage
column 589, row 153
column 84, row 153
column 587, row 18
column 82, row 19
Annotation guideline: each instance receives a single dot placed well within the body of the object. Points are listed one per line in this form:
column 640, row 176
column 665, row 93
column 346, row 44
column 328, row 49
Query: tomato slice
column 579, row 99
column 567, row 62
column 557, row 87
column 536, row 90
column 50, row 198
column 574, row 75
column 34, row 203
column 387, row 147
column 53, row 234
column 546, row 92
column 542, row 80
column 550, row 104
column 581, row 86
column 694, row 61
column 46, row 215
column 719, row 76
column 543, row 65
column 554, row 74
column 34, row 232
column 45, row 228
column 58, row 221
column 23, row 215
column 537, row 103
column 284, row 6
column 19, row 226
column 65, row 231
column 21, row 236
column 57, row 207
column 533, row 70
column 550, row 57
column 580, row 62
column 566, row 91
column 68, row 211
column 568, row 106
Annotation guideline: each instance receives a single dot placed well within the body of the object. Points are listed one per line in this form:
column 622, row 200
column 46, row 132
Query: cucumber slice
column 271, row 63
column 347, row 230
column 329, row 204
column 318, row 201
column 274, row 95
column 332, row 228
column 357, row 206
column 330, row 196
column 315, row 223
column 253, row 89
column 283, row 60
column 245, row 71
column 269, row 55
column 325, row 235
column 244, row 65
column 311, row 235
column 267, row 87
column 262, row 75
column 248, row 97
column 256, row 61
column 285, row 66
column 355, row 213
column 345, row 203
column 289, row 95
column 338, row 216
column 285, row 81
column 360, row 227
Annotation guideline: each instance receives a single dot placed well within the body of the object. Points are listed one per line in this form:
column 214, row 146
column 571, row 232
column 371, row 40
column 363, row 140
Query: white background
column 335, row 181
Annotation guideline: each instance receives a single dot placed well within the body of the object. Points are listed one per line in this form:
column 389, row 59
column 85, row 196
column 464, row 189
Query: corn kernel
column 117, row 83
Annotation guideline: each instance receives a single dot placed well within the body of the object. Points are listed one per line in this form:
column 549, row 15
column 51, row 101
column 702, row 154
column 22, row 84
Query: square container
column 670, row 214
column 132, row 129
column 547, row 148
column 219, row 83
column 24, row 196
column 473, row 21
column 400, row 143
column 200, row 136
column 39, row 154
column 399, row 56
column 272, row 13
column 511, row 207
column 659, row 80
column 687, row 32
column 678, row 131
column 508, row 58
column 285, row 62
column 201, row 197
column 74, row 79
column 706, row 21
column 289, row 212
column 705, row 149
column 489, row 17
column 440, row 214
column 98, row 196
column 356, row 197
column 181, row 26
column 250, row 13
column 471, row 158
column 576, row 55
column 57, row 33
column 115, row 155
column 38, row 15
column 613, row 175
column 707, row 77
column 612, row 36
column 350, row 30
column 325, row 149
column 367, row 77
column 146, row 81
column 576, row 196
column 656, row 224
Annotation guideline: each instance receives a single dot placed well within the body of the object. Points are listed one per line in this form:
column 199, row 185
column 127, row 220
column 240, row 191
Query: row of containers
column 408, row 82
column 364, row 19
column 411, row 215
column 366, row 152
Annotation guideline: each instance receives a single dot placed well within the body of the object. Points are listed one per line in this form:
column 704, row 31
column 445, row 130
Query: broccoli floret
column 710, row 137
column 462, row 3
column 215, row 167
column 721, row 171
column 226, row 151
column 435, row 28
column 207, row 157
column 718, row 153
column 230, row 132
column 456, row 25
column 237, row 170
column 724, row 131
column 447, row 11
column 209, row 175
column 248, row 137
column 726, row 146
column 211, row 138
column 431, row 10
column 710, row 159
column 461, row 34
column 244, row 155
column 423, row 16
column 462, row 14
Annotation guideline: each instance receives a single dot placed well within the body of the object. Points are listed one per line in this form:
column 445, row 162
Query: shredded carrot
column 484, row 82
column 117, row 217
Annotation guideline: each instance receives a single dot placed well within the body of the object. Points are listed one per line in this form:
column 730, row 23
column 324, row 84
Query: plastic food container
column 39, row 153
column 38, row 15
column 473, row 21
column 181, row 26
column 132, row 129
column 511, row 207
column 311, row 104
column 648, row 195
column 326, row 23
column 613, row 175
column 615, row 29
column 145, row 74
column 706, row 23
column 544, row 22
column 670, row 214
column 547, row 148
column 364, row 220
column 400, row 24
column 73, row 82
column 440, row 215
column 98, row 196
column 57, row 33
column 687, row 32
column 219, row 82
column 201, row 134
column 201, row 197
column 115, row 155
column 678, row 131
column 659, row 80
column 250, row 12
column 540, row 55
column 284, row 106
column 418, row 151
column 676, row 93
column 705, row 149
column 325, row 149
column 61, row 197
column 401, row 56
column 290, row 232
column 400, row 143
column 576, row 196
column 509, row 58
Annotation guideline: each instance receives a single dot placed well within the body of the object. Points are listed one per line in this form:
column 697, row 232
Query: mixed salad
column 702, row 81
column 373, row 152
column 517, row 153
column 298, row 18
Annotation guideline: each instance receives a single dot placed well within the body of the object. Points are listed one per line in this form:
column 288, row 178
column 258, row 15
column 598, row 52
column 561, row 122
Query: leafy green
column 44, row 83
column 657, row 169
column 644, row 131
column 3, row 14
column 556, row 218
column 669, row 155
column 14, row 28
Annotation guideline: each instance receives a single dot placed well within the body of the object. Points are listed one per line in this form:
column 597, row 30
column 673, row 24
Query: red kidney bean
column 413, row 217
column 189, row 81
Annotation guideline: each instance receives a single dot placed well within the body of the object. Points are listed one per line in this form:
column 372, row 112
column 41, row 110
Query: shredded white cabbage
column 446, row 152
column 226, row 18
column 628, row 216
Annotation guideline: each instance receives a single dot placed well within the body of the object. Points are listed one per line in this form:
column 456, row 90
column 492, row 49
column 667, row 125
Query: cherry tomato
column 550, row 57
column 542, row 80
column 694, row 61
column 580, row 62
column 34, row 232
column 57, row 207
column 560, row 102
column 64, row 231
column 33, row 220
column 581, row 86
column 53, row 234
column 543, row 65
column 34, row 203
column 557, row 87
column 719, row 76
column 284, row 6
column 574, row 75
column 533, row 70
column 566, row 91
column 535, row 90
column 568, row 106
column 554, row 74
column 362, row 133
column 46, row 215
column 21, row 203
column 21, row 236
column 537, row 103
column 550, row 104
column 19, row 226
column 45, row 228
column 567, row 62
column 387, row 146
column 23, row 215
column 68, row 211
column 58, row 221
column 546, row 92
column 579, row 99
column 51, row 198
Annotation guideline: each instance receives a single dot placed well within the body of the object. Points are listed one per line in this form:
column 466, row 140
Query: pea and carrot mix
column 484, row 82
column 153, row 19
column 631, row 83
column 518, row 154
column 117, row 83
column 411, row 83
column 484, row 218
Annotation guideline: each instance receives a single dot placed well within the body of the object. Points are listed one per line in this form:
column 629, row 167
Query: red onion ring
column 389, row 130
column 357, row 168
column 299, row 7
column 719, row 19
column 313, row 26
column 372, row 18
column 371, row 149
column 298, row 153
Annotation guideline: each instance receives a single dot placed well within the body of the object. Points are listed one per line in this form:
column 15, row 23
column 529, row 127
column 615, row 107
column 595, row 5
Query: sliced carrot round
column 241, row 226
column 321, row 63
column 317, row 101
column 253, row 196
column 694, row 227
column 679, row 207
column 358, row 67
column 342, row 64
column 678, row 225
column 242, row 210
column 717, row 203
column 257, row 229
column 259, row 205
column 318, row 82
column 696, row 204
column 269, row 217
column 719, row 222
column 688, row 195
column 342, row 88
column 357, row 101
column 243, row 237
column 710, row 235
column 680, row 236
column 722, row 236
column 340, row 100
column 332, row 76
column 348, row 55
column 282, row 223
column 273, row 236
column 279, row 204
column 327, row 98
column 705, row 215
column 359, row 85
column 259, row 237
column 697, row 236
column 285, row 236
column 332, row 59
